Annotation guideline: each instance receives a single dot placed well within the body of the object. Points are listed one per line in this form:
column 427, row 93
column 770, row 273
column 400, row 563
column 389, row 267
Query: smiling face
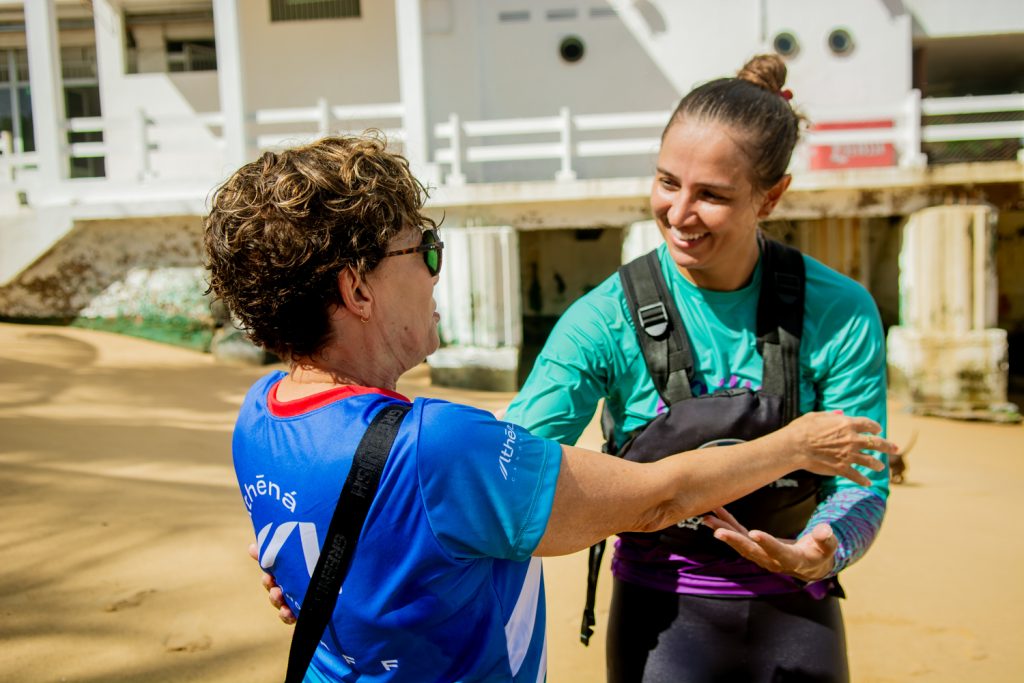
column 706, row 206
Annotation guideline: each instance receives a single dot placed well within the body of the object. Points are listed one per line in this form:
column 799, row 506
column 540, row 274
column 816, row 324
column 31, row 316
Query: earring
column 364, row 320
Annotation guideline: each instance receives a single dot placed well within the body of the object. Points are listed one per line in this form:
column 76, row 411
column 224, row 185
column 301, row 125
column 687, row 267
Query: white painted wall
column 483, row 67
column 690, row 42
column 451, row 44
column 693, row 43
column 183, row 148
column 27, row 233
column 949, row 18
column 292, row 63
column 876, row 71
column 198, row 89
column 524, row 75
column 180, row 146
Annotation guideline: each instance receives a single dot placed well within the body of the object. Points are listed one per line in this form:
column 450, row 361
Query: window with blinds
column 304, row 10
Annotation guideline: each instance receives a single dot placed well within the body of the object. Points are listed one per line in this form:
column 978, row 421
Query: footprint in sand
column 178, row 642
column 131, row 601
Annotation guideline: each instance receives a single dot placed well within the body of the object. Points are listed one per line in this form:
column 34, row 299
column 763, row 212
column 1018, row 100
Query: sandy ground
column 123, row 534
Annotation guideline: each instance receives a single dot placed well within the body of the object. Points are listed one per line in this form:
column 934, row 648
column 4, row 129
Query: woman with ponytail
column 739, row 604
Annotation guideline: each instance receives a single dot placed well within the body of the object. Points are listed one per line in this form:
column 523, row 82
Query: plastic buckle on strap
column 586, row 628
column 654, row 319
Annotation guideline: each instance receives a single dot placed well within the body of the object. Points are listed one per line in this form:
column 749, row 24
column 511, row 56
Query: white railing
column 565, row 149
column 891, row 135
column 325, row 119
column 13, row 165
column 461, row 144
column 989, row 130
column 180, row 146
column 160, row 146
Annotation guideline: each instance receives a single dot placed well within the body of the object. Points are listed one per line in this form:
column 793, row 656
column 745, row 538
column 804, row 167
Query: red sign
column 852, row 156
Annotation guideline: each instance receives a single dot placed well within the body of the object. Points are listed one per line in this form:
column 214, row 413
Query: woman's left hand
column 275, row 594
column 809, row 558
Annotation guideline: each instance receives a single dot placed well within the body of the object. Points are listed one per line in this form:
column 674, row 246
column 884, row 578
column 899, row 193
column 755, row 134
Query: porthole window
column 785, row 44
column 840, row 41
column 571, row 49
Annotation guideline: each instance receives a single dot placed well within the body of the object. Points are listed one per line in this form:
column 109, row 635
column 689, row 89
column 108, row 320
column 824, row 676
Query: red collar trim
column 306, row 404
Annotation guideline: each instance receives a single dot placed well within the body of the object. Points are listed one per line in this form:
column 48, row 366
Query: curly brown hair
column 755, row 105
column 282, row 227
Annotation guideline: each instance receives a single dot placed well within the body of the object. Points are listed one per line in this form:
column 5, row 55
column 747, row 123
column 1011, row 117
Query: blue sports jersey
column 442, row 586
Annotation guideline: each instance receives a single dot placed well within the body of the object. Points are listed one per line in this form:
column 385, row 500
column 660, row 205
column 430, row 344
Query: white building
column 535, row 122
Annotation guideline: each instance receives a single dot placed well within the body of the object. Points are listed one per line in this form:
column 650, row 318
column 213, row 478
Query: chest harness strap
column 667, row 353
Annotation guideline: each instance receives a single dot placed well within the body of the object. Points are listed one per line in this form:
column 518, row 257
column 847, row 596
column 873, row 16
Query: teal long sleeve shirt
column 593, row 354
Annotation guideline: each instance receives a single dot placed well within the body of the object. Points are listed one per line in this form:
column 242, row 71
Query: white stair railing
column 155, row 138
column 564, row 139
column 325, row 119
column 566, row 144
column 897, row 128
column 987, row 130
column 14, row 165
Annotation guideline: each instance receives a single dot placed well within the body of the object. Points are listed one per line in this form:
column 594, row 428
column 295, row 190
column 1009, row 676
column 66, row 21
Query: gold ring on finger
column 871, row 443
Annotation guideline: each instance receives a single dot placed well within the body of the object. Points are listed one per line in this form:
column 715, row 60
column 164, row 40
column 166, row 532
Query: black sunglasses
column 431, row 247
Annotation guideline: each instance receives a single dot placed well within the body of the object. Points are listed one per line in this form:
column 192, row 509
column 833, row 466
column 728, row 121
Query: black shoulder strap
column 666, row 350
column 659, row 329
column 336, row 554
column 780, row 322
column 593, row 569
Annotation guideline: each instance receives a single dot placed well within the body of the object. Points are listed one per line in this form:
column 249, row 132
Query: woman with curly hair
column 324, row 255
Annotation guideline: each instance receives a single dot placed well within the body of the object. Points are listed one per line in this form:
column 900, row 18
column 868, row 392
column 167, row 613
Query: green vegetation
column 176, row 330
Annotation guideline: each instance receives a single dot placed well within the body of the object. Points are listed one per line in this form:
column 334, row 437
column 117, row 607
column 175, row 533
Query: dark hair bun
column 766, row 71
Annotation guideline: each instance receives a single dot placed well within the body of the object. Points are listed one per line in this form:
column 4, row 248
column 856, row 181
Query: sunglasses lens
column 432, row 257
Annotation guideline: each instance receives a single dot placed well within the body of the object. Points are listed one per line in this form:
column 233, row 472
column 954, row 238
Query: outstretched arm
column 597, row 496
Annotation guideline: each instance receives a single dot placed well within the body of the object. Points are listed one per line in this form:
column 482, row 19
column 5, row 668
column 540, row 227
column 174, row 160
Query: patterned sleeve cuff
column 855, row 515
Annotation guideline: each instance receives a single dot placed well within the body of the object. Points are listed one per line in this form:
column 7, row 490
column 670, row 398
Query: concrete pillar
column 946, row 356
column 48, row 114
column 409, row 29
column 481, row 315
column 640, row 238
column 122, row 160
column 238, row 147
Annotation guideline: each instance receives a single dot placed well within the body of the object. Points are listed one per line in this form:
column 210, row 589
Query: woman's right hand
column 830, row 443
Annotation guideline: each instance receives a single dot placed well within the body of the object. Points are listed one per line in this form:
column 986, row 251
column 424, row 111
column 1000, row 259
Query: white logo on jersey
column 307, row 536
column 271, row 489
column 389, row 664
column 508, row 450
